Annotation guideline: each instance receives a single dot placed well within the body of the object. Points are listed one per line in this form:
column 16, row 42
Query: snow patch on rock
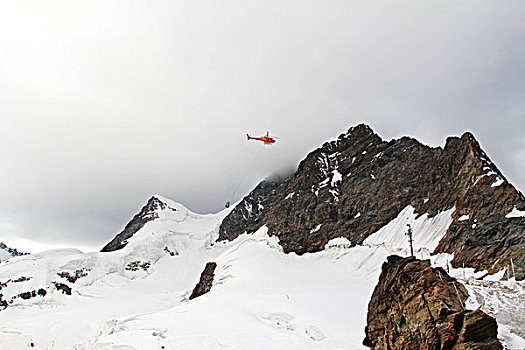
column 336, row 177
column 427, row 231
column 464, row 218
column 515, row 213
column 499, row 181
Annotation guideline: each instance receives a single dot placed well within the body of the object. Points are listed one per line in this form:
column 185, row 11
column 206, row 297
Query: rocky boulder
column 415, row 306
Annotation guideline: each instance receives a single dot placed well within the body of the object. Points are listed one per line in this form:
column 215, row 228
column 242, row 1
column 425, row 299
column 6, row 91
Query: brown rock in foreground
column 415, row 306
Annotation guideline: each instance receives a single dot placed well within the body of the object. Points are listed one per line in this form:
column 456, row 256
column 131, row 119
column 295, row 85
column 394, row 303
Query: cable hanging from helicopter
column 267, row 140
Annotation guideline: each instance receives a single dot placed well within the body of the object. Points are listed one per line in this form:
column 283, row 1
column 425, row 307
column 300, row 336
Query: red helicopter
column 268, row 140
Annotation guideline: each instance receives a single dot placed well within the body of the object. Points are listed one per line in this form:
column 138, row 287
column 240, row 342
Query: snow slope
column 263, row 299
column 4, row 255
column 427, row 232
column 112, row 286
column 137, row 297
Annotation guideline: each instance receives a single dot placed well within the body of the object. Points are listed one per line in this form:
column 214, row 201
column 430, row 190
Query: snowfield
column 137, row 297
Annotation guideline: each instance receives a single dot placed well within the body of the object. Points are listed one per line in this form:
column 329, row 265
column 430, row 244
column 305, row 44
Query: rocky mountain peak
column 468, row 142
column 359, row 130
column 468, row 150
column 360, row 135
column 148, row 213
column 154, row 205
column 353, row 186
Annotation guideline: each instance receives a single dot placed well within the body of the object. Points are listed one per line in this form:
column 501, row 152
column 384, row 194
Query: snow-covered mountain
column 138, row 297
column 136, row 293
column 7, row 252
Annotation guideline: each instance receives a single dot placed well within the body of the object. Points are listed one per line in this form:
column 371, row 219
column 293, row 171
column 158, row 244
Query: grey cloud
column 103, row 104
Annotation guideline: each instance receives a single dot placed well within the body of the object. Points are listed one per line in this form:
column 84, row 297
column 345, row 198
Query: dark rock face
column 355, row 185
column 205, row 282
column 147, row 214
column 483, row 194
column 415, row 306
column 246, row 216
column 330, row 187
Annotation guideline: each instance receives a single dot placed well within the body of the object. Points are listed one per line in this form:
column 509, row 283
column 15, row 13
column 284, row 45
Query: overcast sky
column 105, row 103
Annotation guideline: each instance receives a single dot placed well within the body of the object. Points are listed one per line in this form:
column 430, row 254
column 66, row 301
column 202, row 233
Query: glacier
column 262, row 298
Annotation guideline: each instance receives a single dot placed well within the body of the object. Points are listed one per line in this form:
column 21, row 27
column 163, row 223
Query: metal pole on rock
column 409, row 234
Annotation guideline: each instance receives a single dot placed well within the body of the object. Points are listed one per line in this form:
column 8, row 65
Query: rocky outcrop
column 28, row 294
column 415, row 306
column 147, row 214
column 353, row 186
column 72, row 277
column 11, row 252
column 62, row 287
column 205, row 282
column 247, row 215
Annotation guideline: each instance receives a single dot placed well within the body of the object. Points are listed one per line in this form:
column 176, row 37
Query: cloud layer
column 105, row 103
